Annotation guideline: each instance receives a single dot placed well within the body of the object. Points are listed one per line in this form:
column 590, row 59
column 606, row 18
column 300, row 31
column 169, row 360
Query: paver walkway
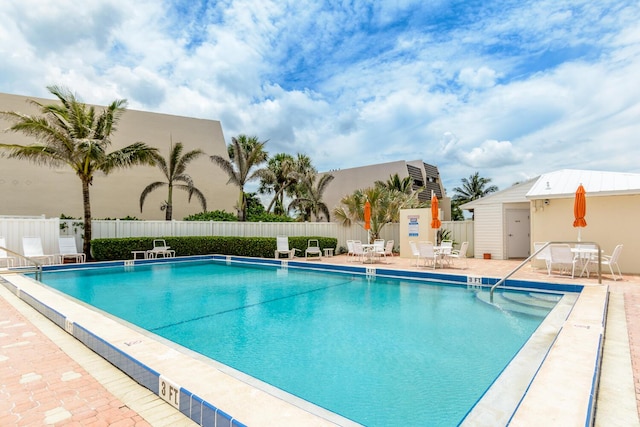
column 42, row 385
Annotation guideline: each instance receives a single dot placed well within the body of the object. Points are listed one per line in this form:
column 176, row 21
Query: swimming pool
column 379, row 351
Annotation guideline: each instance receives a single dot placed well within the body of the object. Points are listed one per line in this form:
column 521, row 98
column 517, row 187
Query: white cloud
column 483, row 77
column 493, row 154
column 509, row 91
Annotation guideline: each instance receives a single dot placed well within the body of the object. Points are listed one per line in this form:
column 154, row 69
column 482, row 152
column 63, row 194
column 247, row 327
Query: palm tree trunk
column 169, row 211
column 86, row 245
column 241, row 206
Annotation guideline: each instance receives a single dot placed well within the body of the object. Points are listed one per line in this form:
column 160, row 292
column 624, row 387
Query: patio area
column 49, row 378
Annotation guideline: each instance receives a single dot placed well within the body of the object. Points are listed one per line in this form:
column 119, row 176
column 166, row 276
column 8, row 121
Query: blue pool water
column 381, row 352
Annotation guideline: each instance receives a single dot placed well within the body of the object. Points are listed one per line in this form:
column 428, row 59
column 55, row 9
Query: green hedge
column 262, row 247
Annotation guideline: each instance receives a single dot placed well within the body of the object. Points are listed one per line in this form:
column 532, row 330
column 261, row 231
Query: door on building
column 518, row 227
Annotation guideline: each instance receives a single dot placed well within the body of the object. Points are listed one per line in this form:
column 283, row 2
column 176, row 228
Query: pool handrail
column 37, row 269
column 540, row 249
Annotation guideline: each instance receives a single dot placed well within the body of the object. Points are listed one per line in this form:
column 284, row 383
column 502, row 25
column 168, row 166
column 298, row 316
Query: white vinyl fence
column 13, row 228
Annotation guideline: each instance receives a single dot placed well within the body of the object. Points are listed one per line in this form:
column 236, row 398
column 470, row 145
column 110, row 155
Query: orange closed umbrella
column 367, row 219
column 435, row 221
column 367, row 216
column 580, row 209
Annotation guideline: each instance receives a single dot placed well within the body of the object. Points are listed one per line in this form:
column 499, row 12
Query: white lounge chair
column 460, row 253
column 5, row 259
column 68, row 249
column 562, row 257
column 32, row 248
column 282, row 247
column 313, row 249
column 160, row 248
column 612, row 260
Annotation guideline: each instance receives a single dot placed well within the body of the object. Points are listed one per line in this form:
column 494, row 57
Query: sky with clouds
column 508, row 88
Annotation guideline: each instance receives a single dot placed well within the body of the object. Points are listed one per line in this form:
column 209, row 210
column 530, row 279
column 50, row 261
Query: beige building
column 541, row 210
column 346, row 181
column 30, row 189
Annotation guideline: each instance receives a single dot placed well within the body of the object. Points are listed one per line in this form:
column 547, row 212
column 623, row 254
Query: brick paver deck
column 42, row 385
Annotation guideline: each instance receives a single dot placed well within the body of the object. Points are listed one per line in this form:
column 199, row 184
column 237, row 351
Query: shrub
column 262, row 247
column 212, row 216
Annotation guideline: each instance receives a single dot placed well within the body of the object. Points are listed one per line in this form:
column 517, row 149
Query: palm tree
column 245, row 153
column 76, row 135
column 385, row 207
column 473, row 188
column 309, row 202
column 281, row 176
column 175, row 172
column 404, row 185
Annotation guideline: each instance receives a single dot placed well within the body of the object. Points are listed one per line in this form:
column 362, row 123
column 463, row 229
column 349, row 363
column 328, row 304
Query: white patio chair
column 612, row 260
column 5, row 259
column 313, row 249
column 282, row 247
column 428, row 253
column 460, row 254
column 415, row 252
column 387, row 250
column 378, row 248
column 562, row 257
column 32, row 248
column 586, row 256
column 68, row 249
column 446, row 247
column 359, row 253
column 543, row 256
column 350, row 253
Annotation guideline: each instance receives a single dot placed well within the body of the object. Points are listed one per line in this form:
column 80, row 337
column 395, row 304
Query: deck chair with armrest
column 460, row 253
column 282, row 247
column 32, row 249
column 68, row 250
column 386, row 250
column 612, row 260
column 313, row 249
column 5, row 259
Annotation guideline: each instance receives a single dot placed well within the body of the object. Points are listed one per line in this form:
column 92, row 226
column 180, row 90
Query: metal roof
column 564, row 183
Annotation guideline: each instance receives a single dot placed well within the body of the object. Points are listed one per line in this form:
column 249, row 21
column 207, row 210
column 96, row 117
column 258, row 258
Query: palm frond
column 148, row 189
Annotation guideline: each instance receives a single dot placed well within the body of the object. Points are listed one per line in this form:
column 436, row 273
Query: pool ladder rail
column 36, row 268
column 504, row 279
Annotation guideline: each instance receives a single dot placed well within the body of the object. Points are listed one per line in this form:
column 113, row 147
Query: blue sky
column 511, row 89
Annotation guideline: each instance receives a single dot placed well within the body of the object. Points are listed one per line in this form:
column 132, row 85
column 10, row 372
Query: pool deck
column 50, row 378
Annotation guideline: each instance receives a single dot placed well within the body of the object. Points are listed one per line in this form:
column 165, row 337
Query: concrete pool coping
column 163, row 359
